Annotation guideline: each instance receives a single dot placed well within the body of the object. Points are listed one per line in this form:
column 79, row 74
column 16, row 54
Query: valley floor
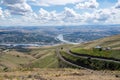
column 60, row 74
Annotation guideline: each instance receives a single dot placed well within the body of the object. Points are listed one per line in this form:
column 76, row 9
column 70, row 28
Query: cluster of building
column 102, row 48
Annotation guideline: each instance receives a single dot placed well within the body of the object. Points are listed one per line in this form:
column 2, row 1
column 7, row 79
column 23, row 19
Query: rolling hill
column 32, row 59
column 98, row 54
column 112, row 41
column 45, row 57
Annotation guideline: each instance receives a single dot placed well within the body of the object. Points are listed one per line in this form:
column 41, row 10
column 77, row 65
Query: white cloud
column 70, row 16
column 12, row 2
column 117, row 4
column 100, row 16
column 4, row 14
column 103, row 14
column 44, row 14
column 87, row 4
column 54, row 2
column 19, row 7
column 66, row 17
column 68, row 12
column 115, row 17
column 1, row 12
column 88, row 17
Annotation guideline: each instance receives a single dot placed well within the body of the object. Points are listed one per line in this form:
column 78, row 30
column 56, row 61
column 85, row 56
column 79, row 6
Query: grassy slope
column 113, row 42
column 43, row 57
column 13, row 59
column 48, row 58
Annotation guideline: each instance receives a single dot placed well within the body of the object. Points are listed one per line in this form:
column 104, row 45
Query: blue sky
column 58, row 12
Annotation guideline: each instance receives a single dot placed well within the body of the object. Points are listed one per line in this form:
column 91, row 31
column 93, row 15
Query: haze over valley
column 41, row 36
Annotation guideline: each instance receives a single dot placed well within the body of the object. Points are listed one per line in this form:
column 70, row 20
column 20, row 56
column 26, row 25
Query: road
column 102, row 59
column 61, row 58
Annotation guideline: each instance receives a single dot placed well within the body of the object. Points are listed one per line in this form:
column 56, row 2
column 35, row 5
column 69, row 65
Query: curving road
column 68, row 51
column 61, row 58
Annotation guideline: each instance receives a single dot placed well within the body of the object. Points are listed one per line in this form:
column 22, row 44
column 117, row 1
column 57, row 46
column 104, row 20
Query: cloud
column 12, row 2
column 70, row 16
column 68, row 12
column 53, row 2
column 103, row 14
column 100, row 16
column 115, row 16
column 117, row 4
column 1, row 12
column 44, row 14
column 87, row 4
column 4, row 14
column 17, row 7
column 44, row 17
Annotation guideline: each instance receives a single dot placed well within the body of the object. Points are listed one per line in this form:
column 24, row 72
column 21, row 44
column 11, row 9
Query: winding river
column 61, row 38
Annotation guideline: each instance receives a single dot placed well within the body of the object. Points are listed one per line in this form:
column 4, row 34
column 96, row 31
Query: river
column 61, row 38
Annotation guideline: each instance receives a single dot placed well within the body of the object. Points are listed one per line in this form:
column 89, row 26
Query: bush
column 5, row 69
column 17, row 56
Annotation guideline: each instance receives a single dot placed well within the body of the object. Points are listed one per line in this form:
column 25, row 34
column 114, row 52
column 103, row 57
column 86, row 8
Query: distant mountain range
column 47, row 35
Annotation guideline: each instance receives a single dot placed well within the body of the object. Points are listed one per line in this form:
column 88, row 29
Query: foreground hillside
column 45, row 57
column 60, row 74
column 33, row 57
column 29, row 63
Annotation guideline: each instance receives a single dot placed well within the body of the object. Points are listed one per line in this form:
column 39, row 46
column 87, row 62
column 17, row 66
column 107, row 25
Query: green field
column 90, row 63
column 96, row 52
column 89, row 48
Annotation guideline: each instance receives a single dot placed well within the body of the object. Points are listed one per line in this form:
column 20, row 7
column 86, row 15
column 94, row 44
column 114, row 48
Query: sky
column 59, row 12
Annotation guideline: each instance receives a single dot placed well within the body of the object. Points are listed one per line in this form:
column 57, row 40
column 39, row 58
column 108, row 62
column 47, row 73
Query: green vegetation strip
column 96, row 52
column 63, row 63
column 91, row 63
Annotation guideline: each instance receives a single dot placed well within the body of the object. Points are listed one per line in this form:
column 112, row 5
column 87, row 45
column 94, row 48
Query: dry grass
column 112, row 41
column 60, row 74
column 11, row 60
